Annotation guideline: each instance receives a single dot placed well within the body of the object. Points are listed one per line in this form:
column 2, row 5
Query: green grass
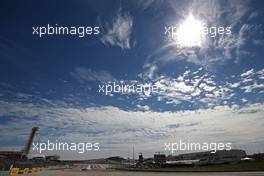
column 254, row 166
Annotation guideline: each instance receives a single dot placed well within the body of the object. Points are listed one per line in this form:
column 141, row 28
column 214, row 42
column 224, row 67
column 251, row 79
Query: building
column 257, row 156
column 160, row 159
column 218, row 157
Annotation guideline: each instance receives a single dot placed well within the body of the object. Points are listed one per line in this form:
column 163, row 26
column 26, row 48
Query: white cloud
column 261, row 74
column 84, row 74
column 118, row 130
column 150, row 71
column 250, row 88
column 207, row 88
column 143, row 107
column 249, row 81
column 204, row 89
column 234, row 85
column 119, row 32
column 194, row 87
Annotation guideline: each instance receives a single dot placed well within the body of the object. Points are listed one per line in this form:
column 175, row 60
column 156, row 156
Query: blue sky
column 211, row 93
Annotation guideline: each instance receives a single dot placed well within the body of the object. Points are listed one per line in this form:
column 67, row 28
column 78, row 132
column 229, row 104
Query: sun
column 190, row 33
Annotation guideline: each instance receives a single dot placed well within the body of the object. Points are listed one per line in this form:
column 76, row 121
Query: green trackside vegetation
column 251, row 166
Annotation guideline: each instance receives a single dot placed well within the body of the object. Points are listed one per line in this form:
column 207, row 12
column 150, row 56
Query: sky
column 212, row 92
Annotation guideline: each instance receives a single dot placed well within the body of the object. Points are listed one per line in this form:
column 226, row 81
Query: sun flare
column 190, row 33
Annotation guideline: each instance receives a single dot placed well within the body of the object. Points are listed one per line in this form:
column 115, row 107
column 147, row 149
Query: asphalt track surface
column 124, row 173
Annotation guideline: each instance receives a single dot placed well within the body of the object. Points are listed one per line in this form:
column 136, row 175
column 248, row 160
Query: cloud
column 250, row 88
column 250, row 81
column 203, row 106
column 143, row 107
column 148, row 4
column 85, row 74
column 194, row 87
column 248, row 73
column 117, row 130
column 261, row 74
column 202, row 89
column 144, row 4
column 190, row 89
column 150, row 71
column 119, row 32
column 253, row 15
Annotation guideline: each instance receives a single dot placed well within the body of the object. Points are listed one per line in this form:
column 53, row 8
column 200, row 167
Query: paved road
column 117, row 173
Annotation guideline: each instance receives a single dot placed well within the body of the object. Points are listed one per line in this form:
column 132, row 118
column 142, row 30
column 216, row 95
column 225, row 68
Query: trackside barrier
column 14, row 171
column 4, row 173
column 25, row 171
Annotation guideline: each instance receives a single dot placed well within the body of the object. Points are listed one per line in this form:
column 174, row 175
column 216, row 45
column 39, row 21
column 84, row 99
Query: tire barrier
column 24, row 171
